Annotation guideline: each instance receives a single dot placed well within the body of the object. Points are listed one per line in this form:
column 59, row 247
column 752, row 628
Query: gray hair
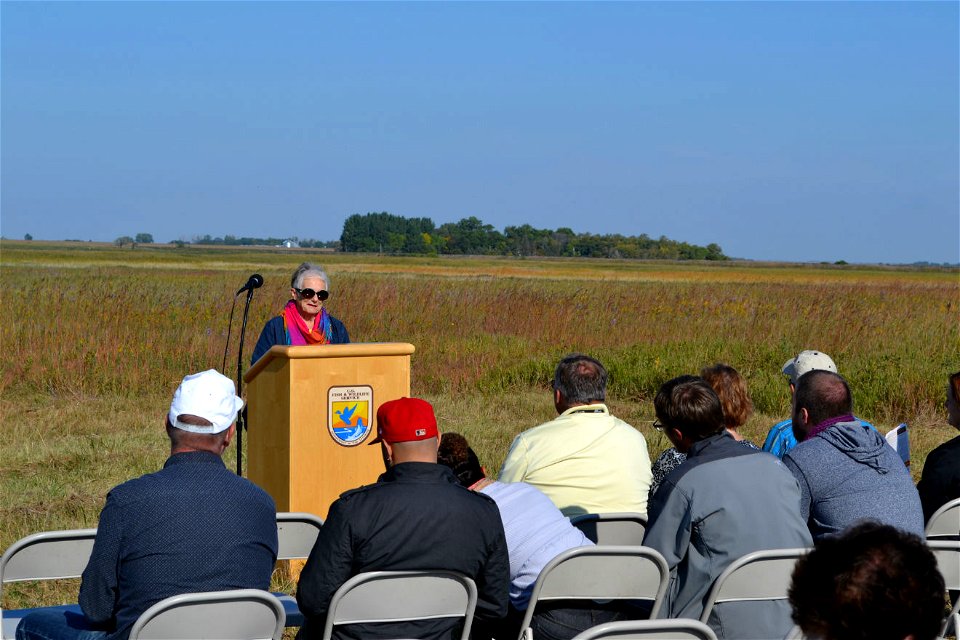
column 581, row 379
column 306, row 270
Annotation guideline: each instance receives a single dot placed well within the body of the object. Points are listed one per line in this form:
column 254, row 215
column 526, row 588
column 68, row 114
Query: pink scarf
column 297, row 331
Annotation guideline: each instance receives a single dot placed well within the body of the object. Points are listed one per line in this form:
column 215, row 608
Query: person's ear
column 386, row 449
column 557, row 396
column 230, row 433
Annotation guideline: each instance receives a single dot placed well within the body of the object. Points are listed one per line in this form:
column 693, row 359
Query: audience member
column 536, row 533
column 724, row 501
column 416, row 516
column 872, row 582
column 585, row 460
column 846, row 470
column 940, row 482
column 731, row 388
column 193, row 526
column 781, row 438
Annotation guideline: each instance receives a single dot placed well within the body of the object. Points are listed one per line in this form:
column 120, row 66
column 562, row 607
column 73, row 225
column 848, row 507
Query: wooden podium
column 312, row 414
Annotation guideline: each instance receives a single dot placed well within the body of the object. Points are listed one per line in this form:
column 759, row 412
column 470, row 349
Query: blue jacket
column 724, row 501
column 273, row 333
column 848, row 473
column 192, row 526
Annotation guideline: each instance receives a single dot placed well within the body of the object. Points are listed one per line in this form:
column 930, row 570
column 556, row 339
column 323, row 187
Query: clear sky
column 800, row 131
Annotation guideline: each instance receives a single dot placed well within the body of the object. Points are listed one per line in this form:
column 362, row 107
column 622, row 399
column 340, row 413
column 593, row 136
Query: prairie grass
column 95, row 338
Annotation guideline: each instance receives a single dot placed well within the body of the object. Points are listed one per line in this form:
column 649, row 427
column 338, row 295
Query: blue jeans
column 57, row 625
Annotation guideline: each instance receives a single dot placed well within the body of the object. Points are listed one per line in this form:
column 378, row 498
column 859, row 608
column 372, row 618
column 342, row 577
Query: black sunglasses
column 323, row 294
column 659, row 426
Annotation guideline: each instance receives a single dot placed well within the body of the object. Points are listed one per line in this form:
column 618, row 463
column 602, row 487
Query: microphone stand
column 242, row 414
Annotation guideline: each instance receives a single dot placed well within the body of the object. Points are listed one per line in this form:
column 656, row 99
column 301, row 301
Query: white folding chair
column 945, row 522
column 612, row 528
column 240, row 614
column 668, row 629
column 757, row 576
column 601, row 573
column 296, row 535
column 51, row 555
column 947, row 553
column 403, row 596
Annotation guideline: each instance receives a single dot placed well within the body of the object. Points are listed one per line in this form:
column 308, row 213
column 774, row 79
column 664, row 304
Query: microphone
column 253, row 282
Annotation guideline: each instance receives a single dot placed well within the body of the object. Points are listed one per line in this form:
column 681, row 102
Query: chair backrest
column 296, row 534
column 669, row 629
column 945, row 522
column 50, row 555
column 401, row 596
column 612, row 528
column 605, row 572
column 947, row 553
column 760, row 575
column 241, row 614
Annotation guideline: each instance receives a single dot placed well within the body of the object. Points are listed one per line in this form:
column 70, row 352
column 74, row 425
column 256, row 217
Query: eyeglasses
column 322, row 295
column 659, row 426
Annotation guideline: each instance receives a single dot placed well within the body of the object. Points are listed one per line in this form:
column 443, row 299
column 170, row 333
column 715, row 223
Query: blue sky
column 801, row 131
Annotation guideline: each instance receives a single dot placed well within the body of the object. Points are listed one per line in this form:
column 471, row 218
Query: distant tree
column 144, row 238
column 122, row 240
column 27, row 236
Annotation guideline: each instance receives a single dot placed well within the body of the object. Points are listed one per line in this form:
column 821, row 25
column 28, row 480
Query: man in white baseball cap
column 780, row 438
column 192, row 526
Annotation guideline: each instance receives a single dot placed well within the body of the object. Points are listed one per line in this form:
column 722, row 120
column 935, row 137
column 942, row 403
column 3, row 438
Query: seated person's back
column 586, row 460
column 847, row 471
column 415, row 517
column 192, row 526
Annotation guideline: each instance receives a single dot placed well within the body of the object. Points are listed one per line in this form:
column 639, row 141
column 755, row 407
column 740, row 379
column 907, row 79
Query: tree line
column 387, row 233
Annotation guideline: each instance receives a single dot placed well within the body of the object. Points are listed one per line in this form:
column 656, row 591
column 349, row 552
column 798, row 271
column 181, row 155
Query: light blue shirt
column 536, row 533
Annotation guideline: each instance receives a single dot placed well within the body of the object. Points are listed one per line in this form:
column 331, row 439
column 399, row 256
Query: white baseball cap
column 808, row 361
column 209, row 395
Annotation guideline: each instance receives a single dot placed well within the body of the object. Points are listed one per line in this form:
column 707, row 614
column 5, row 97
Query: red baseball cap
column 405, row 420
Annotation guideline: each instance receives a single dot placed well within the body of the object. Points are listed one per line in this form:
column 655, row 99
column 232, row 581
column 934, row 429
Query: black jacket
column 940, row 482
column 417, row 516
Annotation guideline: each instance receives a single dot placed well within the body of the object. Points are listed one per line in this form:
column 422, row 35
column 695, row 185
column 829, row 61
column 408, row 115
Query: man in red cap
column 417, row 516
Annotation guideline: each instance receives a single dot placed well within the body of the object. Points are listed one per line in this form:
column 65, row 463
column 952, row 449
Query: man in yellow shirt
column 585, row 460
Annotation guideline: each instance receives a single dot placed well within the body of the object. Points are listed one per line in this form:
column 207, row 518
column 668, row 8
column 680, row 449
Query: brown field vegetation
column 95, row 339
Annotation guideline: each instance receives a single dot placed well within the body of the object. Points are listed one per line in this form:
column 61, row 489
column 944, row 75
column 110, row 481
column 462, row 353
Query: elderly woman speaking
column 304, row 319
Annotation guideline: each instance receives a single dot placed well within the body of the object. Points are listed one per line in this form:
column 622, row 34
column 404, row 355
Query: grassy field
column 95, row 339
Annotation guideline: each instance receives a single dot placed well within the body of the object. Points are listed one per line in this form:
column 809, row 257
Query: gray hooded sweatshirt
column 849, row 473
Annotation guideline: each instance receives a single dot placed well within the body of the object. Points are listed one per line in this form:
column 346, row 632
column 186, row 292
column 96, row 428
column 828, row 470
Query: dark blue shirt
column 193, row 526
column 273, row 334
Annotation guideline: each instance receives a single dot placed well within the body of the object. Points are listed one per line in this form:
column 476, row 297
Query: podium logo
column 349, row 416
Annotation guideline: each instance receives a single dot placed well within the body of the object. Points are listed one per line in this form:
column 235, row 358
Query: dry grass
column 95, row 339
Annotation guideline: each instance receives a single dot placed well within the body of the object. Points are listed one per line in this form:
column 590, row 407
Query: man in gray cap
column 192, row 526
column 781, row 438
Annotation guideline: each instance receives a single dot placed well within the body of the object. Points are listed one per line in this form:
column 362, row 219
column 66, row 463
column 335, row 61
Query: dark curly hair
column 455, row 452
column 872, row 582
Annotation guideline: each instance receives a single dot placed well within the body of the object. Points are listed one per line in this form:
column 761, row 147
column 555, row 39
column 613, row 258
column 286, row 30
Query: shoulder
column 949, row 450
column 340, row 335
column 627, row 429
column 273, row 324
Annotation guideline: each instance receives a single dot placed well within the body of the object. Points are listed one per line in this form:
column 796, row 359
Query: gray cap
column 808, row 361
